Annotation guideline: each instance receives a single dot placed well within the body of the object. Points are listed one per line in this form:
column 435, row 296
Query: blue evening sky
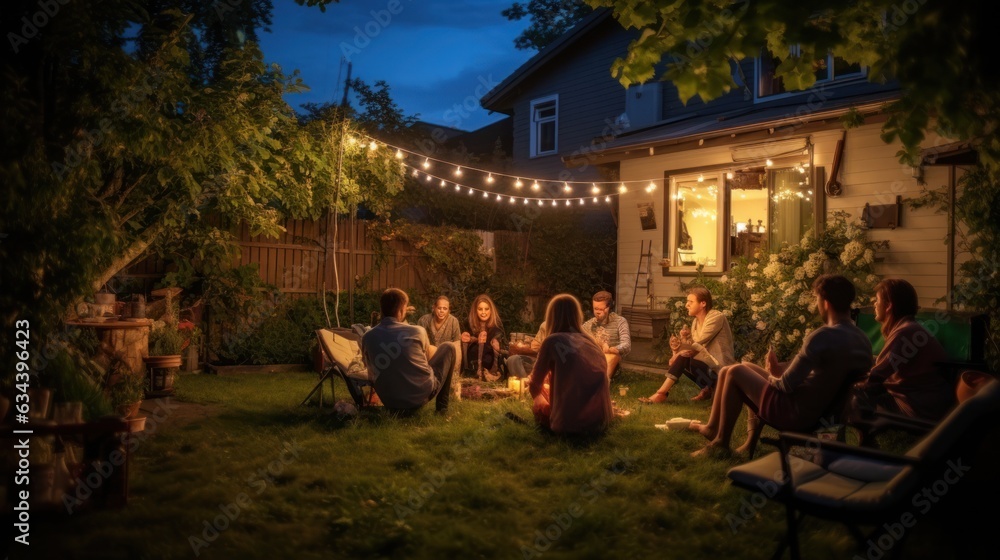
column 438, row 56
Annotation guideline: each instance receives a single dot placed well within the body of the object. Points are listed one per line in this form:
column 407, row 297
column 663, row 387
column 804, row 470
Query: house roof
column 483, row 140
column 495, row 98
column 700, row 126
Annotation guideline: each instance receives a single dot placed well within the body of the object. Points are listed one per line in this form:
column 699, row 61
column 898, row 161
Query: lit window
column 827, row 69
column 695, row 232
column 544, row 126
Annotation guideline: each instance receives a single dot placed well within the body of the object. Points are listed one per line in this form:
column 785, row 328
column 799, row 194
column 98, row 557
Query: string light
column 427, row 163
column 415, row 173
column 729, row 175
column 458, row 187
column 399, row 153
column 518, row 184
column 595, row 199
column 622, row 188
column 566, row 187
column 535, row 186
column 594, row 189
column 372, row 146
column 554, row 203
column 769, row 163
column 489, row 178
column 485, row 193
column 458, row 171
column 443, row 183
column 499, row 198
column 607, row 199
column 512, row 200
column 651, row 187
column 581, row 202
column 471, row 191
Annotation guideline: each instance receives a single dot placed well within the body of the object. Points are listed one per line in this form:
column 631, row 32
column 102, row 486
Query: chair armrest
column 885, row 419
column 790, row 439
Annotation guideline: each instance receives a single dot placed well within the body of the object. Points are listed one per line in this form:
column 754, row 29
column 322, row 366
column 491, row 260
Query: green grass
column 471, row 485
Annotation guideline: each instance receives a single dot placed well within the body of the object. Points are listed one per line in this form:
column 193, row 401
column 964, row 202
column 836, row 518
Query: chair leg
column 793, row 531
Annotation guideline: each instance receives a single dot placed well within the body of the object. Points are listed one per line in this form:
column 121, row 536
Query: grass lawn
column 473, row 484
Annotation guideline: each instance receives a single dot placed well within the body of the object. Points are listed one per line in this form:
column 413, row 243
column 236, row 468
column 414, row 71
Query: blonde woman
column 569, row 382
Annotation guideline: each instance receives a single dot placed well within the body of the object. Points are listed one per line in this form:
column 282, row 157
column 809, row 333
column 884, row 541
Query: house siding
column 870, row 173
column 589, row 102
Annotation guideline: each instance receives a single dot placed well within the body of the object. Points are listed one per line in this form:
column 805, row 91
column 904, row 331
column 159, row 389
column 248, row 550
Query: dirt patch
column 173, row 413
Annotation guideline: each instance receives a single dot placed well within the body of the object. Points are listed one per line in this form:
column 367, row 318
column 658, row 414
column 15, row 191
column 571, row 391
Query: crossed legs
column 736, row 383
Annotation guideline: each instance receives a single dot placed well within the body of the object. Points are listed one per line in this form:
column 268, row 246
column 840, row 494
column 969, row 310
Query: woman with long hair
column 905, row 379
column 482, row 339
column 569, row 383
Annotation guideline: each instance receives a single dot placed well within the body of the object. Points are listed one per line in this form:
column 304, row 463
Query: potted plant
column 165, row 345
column 126, row 393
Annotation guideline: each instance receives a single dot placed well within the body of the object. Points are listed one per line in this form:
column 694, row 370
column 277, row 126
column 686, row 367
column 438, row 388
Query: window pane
column 841, row 68
column 821, row 69
column 768, row 83
column 791, row 206
column 748, row 223
column 547, row 136
column 696, row 226
column 545, row 111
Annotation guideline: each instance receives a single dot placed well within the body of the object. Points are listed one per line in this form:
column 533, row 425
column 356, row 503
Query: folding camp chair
column 859, row 486
column 340, row 347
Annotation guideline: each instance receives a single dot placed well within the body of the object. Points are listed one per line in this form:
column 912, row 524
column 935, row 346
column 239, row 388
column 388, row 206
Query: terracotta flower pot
column 970, row 382
column 170, row 361
column 129, row 410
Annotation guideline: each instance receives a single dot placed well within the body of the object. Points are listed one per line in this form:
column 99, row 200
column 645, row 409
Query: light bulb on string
column 554, row 203
column 607, row 199
column 622, row 188
column 428, row 178
column 595, row 200
column 541, row 202
column 415, row 173
column 489, row 178
column 769, row 163
column 729, row 175
column 372, row 146
column 594, row 189
column 427, row 163
column 470, row 192
column 512, row 200
column 499, row 198
column 458, row 171
column 566, row 187
column 399, row 154
column 526, row 201
column 581, row 202
column 486, row 194
column 458, row 187
column 443, row 183
column 535, row 186
column 352, row 140
column 518, row 184
column 651, row 187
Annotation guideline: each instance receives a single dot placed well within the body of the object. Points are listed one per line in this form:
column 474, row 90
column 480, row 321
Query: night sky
column 438, row 56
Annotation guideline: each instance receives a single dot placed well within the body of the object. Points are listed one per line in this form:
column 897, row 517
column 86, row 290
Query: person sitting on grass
column 440, row 324
column 519, row 365
column 569, row 381
column 481, row 341
column 792, row 398
column 699, row 352
column 905, row 379
column 610, row 330
column 408, row 372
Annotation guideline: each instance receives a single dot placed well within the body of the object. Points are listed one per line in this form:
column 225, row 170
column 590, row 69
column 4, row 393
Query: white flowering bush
column 768, row 299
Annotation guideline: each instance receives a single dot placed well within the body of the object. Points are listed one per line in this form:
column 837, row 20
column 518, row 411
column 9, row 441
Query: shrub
column 768, row 299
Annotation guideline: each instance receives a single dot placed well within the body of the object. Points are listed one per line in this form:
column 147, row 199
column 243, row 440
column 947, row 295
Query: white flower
column 761, row 325
column 755, row 316
column 797, row 333
column 752, row 266
column 727, row 312
column 773, row 258
column 851, row 252
column 772, row 269
column 872, row 279
column 755, row 297
column 791, row 338
column 748, row 357
column 723, row 279
column 751, row 284
column 869, row 256
column 800, row 273
column 777, row 336
column 802, row 319
column 781, row 313
column 679, row 304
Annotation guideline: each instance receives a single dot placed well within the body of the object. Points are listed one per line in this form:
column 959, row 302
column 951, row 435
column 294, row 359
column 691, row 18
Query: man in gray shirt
column 407, row 370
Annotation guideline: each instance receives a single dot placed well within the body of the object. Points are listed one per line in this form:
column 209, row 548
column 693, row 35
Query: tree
column 940, row 53
column 129, row 122
column 549, row 20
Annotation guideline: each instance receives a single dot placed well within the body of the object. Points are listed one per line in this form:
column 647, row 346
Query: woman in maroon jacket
column 569, row 382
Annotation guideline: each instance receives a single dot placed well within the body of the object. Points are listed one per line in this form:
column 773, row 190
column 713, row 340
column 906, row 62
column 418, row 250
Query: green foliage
column 166, row 340
column 768, row 299
column 285, row 334
column 937, row 51
column 549, row 20
column 128, row 389
column 73, row 377
column 977, row 209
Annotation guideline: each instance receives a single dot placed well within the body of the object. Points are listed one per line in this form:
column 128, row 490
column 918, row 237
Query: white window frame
column 794, row 51
column 722, row 221
column 533, row 125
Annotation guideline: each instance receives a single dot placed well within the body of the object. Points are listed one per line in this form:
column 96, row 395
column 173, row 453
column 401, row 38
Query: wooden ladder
column 645, row 256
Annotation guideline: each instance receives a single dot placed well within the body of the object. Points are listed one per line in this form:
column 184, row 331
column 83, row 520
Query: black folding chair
column 339, row 348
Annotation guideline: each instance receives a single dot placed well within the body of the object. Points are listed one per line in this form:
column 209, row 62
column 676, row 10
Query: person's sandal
column 704, row 395
column 652, row 400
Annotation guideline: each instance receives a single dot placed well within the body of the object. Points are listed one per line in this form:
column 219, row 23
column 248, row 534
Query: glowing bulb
column 651, row 187
column 485, row 194
column 622, row 188
column 470, row 192
column 399, row 154
column 769, row 163
column 567, row 202
column 581, row 202
column 729, row 175
column 554, row 203
column 594, row 188
column 489, row 178
column 607, row 199
column 458, row 171
column 458, row 187
column 512, row 200
column 526, row 201
column 595, row 199
column 372, row 145
column 535, row 186
column 427, row 163
column 518, row 184
column 541, row 202
column 428, row 178
column 701, row 178
column 499, row 198
column 567, row 188
column 351, row 140
column 443, row 183
column 415, row 173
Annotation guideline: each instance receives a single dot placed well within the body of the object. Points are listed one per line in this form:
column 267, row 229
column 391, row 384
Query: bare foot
column 713, row 449
column 745, row 448
column 656, row 398
column 703, row 429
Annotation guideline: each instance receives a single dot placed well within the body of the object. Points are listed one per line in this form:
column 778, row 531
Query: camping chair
column 859, row 486
column 342, row 358
column 833, row 418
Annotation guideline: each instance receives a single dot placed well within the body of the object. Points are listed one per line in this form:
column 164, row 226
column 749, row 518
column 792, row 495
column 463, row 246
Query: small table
column 129, row 338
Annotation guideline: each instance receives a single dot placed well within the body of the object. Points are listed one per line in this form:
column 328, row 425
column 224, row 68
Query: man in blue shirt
column 407, row 370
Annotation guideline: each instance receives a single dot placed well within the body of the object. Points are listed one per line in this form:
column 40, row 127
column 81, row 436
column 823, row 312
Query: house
column 752, row 169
